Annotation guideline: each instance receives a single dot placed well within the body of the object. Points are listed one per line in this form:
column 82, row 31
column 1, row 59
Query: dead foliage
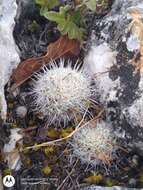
column 61, row 48
column 136, row 28
column 69, row 135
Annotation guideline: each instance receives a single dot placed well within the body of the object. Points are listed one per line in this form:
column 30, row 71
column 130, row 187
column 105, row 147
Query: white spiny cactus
column 94, row 144
column 62, row 92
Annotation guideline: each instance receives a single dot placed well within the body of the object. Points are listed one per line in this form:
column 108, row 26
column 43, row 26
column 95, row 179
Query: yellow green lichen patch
column 49, row 150
column 110, row 182
column 94, row 178
column 66, row 132
column 7, row 171
column 53, row 133
column 46, row 170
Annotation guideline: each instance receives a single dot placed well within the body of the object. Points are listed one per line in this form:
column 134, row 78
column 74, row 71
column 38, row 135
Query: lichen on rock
column 119, row 86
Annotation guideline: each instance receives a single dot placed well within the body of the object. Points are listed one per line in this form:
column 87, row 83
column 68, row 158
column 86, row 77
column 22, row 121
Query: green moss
column 34, row 26
column 7, row 171
column 110, row 182
column 46, row 170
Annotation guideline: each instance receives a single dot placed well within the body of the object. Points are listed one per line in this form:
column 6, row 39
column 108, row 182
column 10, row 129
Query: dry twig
column 69, row 136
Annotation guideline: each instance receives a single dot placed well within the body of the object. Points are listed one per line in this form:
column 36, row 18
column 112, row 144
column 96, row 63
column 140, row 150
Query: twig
column 67, row 176
column 69, row 136
column 28, row 129
column 104, row 72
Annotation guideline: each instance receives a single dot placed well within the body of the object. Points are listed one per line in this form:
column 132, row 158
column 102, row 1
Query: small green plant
column 47, row 4
column 70, row 19
column 67, row 23
column 90, row 4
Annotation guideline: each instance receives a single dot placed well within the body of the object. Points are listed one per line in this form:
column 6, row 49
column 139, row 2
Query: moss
column 141, row 178
column 31, row 123
column 14, row 125
column 53, row 133
column 46, row 170
column 26, row 161
column 10, row 105
column 110, row 182
column 94, row 178
column 66, row 132
column 34, row 26
column 49, row 150
column 7, row 171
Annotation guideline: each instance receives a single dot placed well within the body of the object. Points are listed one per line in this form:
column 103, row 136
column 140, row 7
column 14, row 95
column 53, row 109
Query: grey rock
column 92, row 187
column 118, row 86
column 135, row 160
column 8, row 50
column 132, row 182
column 21, row 111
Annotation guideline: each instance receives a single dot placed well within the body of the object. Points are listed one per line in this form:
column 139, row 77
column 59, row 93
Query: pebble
column 135, row 160
column 21, row 111
column 132, row 182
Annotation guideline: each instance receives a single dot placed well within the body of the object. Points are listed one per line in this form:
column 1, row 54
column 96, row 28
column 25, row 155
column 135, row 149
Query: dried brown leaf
column 62, row 47
column 138, row 64
column 136, row 28
column 136, row 25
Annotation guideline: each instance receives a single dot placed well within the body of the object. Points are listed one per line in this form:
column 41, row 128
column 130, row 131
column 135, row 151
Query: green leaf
column 77, row 18
column 47, row 4
column 54, row 16
column 67, row 22
column 40, row 2
column 91, row 4
column 73, row 31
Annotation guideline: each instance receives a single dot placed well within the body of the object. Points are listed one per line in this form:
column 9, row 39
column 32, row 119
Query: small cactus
column 61, row 92
column 94, row 144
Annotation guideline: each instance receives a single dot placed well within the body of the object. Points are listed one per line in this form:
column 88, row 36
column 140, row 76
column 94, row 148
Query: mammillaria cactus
column 61, row 92
column 94, row 144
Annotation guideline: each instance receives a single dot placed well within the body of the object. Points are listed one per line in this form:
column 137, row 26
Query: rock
column 118, row 83
column 25, row 9
column 32, row 43
column 4, row 134
column 132, row 182
column 8, row 50
column 92, row 187
column 135, row 160
column 11, row 153
column 21, row 111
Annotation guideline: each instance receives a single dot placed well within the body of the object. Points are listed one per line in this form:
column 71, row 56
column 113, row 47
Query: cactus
column 94, row 144
column 61, row 93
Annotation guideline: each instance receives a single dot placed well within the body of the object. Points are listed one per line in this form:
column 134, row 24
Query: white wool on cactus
column 94, row 144
column 61, row 92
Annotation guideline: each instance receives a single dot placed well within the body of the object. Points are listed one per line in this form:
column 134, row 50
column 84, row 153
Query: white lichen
column 94, row 144
column 98, row 63
column 134, row 112
column 61, row 92
column 21, row 111
column 133, row 43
